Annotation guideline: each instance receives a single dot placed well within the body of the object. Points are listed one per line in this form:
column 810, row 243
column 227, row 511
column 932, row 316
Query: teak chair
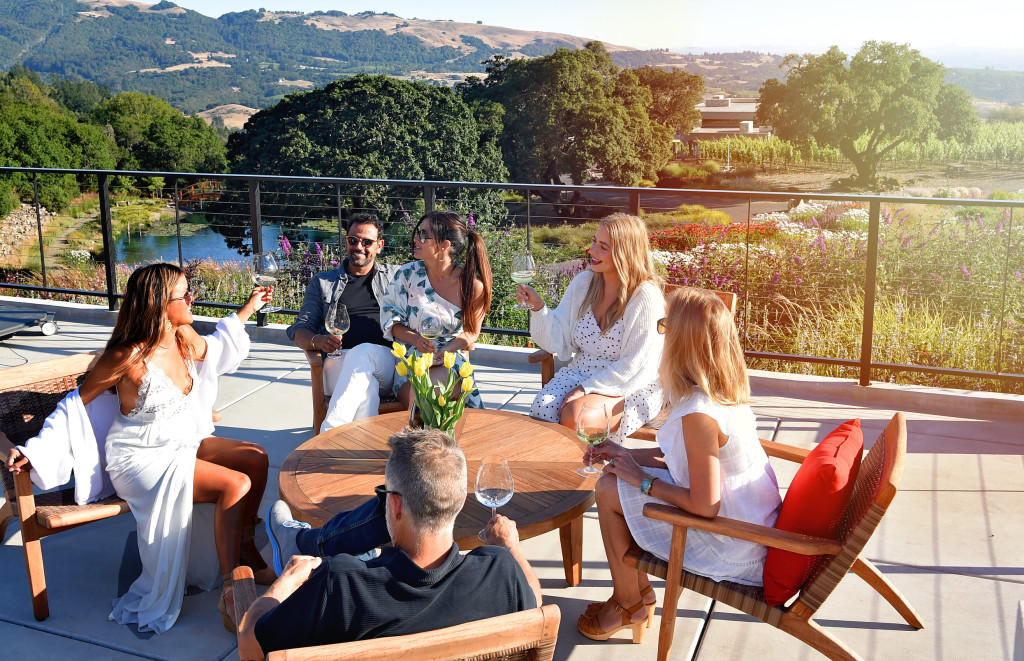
column 650, row 430
column 321, row 399
column 876, row 486
column 28, row 394
column 527, row 635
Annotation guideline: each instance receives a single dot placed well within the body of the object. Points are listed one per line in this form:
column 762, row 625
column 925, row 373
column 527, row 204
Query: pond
column 200, row 241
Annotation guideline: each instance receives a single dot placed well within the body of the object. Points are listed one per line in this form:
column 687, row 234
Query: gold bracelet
column 312, row 342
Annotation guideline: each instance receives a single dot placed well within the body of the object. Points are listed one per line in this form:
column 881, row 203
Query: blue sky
column 934, row 27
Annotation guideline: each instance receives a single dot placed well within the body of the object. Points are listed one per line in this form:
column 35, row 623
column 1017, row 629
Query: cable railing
column 858, row 286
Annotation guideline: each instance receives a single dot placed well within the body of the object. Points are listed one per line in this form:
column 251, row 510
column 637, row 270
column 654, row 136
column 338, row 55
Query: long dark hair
column 468, row 247
column 140, row 321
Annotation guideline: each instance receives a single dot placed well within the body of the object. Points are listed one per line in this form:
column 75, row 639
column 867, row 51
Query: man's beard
column 366, row 261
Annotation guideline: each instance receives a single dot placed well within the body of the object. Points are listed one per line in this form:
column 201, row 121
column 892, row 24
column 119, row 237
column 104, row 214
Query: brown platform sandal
column 589, row 626
column 596, row 606
column 227, row 588
column 264, row 576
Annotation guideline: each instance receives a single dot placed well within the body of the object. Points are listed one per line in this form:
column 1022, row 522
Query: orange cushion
column 814, row 505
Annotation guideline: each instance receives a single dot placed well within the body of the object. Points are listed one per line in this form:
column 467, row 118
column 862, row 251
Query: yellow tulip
column 440, row 400
column 401, row 369
column 398, row 350
column 467, row 384
column 449, row 359
column 418, row 369
column 465, row 370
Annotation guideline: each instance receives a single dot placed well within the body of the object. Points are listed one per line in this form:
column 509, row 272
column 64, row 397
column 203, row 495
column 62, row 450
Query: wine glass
column 591, row 430
column 266, row 276
column 337, row 322
column 431, row 327
column 494, row 486
column 524, row 270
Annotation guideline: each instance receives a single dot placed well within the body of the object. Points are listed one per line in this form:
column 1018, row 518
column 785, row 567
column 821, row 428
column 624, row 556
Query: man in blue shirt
column 419, row 583
column 359, row 283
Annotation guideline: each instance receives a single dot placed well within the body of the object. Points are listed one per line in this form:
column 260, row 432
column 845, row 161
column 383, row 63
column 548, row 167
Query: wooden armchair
column 321, row 399
column 876, row 486
column 649, row 431
column 28, row 394
column 527, row 635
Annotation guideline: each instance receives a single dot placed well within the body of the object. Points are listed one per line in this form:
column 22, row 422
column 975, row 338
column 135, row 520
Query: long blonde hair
column 631, row 256
column 702, row 349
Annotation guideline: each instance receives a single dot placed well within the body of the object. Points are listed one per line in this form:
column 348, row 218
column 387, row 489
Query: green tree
column 153, row 135
column 674, row 97
column 569, row 111
column 888, row 95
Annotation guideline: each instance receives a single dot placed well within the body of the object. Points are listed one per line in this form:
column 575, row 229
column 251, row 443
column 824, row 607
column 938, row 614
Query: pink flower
column 1017, row 275
column 470, row 220
column 334, row 262
column 963, row 269
column 799, row 281
column 798, row 260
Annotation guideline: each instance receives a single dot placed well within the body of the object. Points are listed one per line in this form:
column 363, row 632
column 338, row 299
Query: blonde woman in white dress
column 606, row 323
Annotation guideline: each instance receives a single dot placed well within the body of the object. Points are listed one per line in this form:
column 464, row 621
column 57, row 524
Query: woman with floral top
column 444, row 294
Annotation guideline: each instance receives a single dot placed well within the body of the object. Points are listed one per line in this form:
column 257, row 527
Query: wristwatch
column 647, row 484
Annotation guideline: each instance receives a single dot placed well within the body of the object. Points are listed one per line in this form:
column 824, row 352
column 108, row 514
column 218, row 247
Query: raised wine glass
column 494, row 486
column 524, row 270
column 592, row 428
column 266, row 273
column 337, row 323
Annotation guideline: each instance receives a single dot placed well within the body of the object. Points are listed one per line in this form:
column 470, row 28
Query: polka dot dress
column 596, row 352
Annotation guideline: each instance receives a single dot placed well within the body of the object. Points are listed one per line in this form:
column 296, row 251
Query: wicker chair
column 321, row 399
column 649, row 431
column 28, row 394
column 876, row 486
column 527, row 635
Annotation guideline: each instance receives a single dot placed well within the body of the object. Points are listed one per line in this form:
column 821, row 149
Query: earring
column 167, row 325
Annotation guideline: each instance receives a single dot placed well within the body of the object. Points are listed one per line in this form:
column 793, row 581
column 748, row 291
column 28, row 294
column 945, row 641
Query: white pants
column 366, row 371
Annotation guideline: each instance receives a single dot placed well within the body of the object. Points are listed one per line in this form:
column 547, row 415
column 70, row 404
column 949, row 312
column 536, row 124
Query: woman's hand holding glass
column 529, row 298
column 258, row 298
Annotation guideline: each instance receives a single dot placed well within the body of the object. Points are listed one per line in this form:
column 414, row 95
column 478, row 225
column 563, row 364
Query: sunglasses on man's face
column 355, row 241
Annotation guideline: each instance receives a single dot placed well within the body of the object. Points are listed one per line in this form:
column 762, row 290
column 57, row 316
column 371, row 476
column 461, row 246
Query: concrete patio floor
column 952, row 541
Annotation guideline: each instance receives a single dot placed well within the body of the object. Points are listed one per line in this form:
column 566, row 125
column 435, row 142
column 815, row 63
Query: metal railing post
column 39, row 227
column 109, row 247
column 746, row 284
column 256, row 230
column 634, row 202
column 1002, row 295
column 341, row 229
column 529, row 240
column 870, row 278
column 428, row 199
column 177, row 222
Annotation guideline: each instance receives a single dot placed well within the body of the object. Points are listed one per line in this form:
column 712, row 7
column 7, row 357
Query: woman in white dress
column 709, row 462
column 160, row 452
column 606, row 322
column 449, row 284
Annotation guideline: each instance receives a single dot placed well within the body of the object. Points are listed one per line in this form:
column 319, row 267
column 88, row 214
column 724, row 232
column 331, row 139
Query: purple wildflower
column 999, row 227
column 815, row 221
column 799, row 281
column 797, row 259
column 981, row 223
column 775, row 278
column 334, row 262
column 470, row 220
column 906, row 242
column 286, row 245
column 319, row 251
column 1018, row 275
column 935, row 228
column 963, row 269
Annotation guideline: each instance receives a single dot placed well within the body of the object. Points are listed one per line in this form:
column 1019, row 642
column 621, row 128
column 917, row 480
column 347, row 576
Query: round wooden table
column 337, row 471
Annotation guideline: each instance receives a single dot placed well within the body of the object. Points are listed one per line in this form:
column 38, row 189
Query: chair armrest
column 539, row 356
column 244, row 592
column 315, row 358
column 751, row 532
column 784, row 451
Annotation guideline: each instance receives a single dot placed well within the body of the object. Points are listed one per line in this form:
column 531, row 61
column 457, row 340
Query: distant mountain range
column 254, row 58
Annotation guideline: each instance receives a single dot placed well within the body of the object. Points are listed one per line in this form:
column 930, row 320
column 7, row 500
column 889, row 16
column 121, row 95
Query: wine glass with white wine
column 431, row 327
column 592, row 428
column 494, row 485
column 266, row 273
column 524, row 270
column 337, row 322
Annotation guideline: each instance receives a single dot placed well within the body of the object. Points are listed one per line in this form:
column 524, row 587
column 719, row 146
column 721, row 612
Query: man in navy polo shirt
column 419, row 583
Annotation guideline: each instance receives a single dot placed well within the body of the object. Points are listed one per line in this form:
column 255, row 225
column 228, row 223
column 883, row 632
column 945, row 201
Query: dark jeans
column 353, row 532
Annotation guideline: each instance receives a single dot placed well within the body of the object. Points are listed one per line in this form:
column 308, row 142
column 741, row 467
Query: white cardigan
column 73, row 437
column 641, row 345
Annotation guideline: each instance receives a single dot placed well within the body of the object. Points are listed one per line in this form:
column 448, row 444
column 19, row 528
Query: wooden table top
column 337, row 471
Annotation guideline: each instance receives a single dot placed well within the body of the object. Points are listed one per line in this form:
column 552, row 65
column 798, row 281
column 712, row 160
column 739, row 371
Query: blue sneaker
column 283, row 532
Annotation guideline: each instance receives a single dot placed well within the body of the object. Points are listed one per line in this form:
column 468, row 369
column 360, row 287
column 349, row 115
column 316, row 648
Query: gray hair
column 428, row 468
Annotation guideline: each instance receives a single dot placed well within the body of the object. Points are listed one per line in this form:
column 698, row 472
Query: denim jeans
column 354, row 532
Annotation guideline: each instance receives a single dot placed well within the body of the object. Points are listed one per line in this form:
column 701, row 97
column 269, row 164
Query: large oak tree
column 887, row 95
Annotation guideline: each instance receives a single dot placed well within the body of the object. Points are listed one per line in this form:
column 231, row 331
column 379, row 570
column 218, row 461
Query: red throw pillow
column 814, row 505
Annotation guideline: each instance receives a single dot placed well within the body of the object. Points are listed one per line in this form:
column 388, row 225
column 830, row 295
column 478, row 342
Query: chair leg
column 6, row 516
column 673, row 588
column 867, row 571
column 36, row 576
column 810, row 632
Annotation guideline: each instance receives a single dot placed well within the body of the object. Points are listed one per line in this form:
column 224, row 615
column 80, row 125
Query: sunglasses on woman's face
column 188, row 297
column 355, row 241
column 422, row 236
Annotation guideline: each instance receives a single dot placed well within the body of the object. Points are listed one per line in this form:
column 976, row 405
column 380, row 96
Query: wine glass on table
column 266, row 273
column 524, row 270
column 337, row 323
column 494, row 486
column 592, row 428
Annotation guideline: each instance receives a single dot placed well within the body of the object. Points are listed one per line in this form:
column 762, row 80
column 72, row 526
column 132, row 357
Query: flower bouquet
column 437, row 406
